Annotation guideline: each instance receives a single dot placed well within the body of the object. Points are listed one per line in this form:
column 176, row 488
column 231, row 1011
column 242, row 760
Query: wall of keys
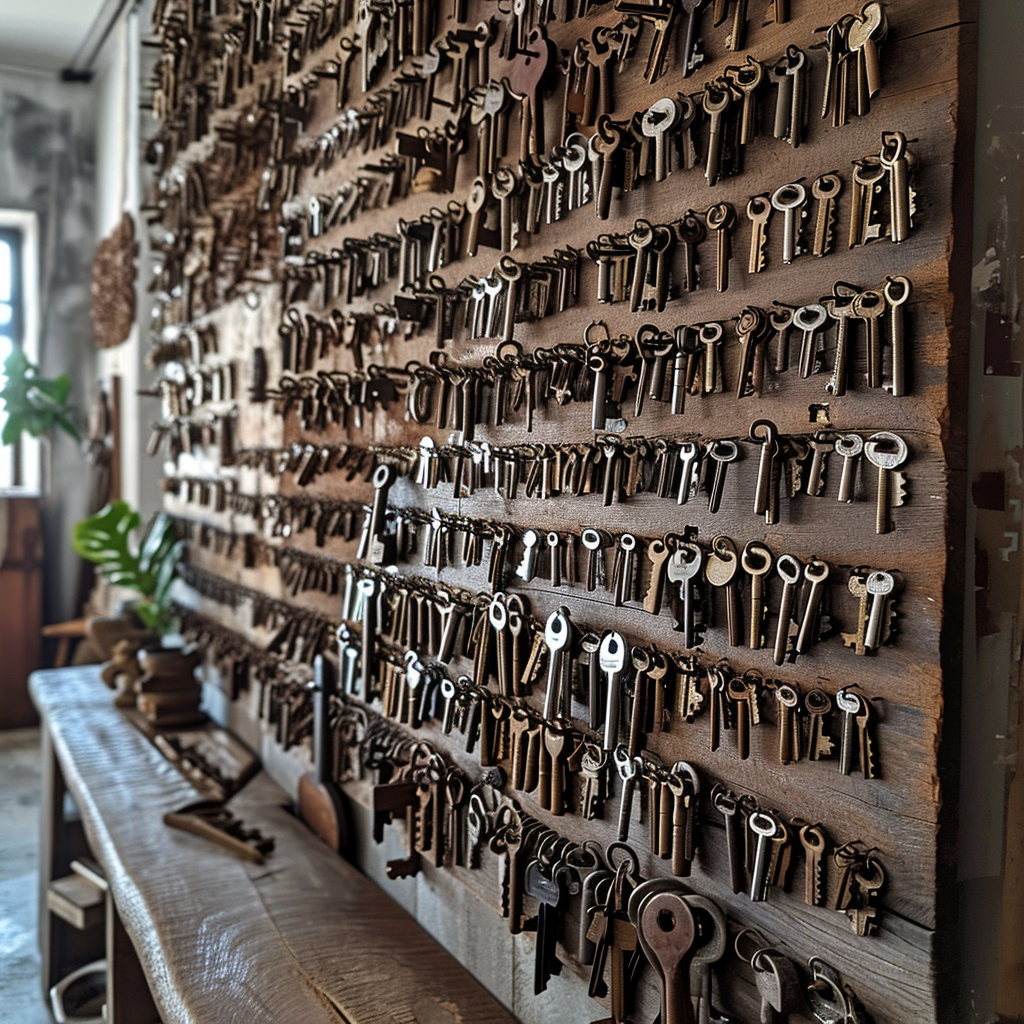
column 583, row 384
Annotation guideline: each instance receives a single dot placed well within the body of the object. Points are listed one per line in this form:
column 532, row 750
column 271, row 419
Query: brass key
column 757, row 563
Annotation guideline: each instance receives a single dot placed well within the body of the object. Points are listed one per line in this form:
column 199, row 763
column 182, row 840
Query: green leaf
column 17, row 364
column 104, row 538
column 12, row 429
column 57, row 388
column 34, row 404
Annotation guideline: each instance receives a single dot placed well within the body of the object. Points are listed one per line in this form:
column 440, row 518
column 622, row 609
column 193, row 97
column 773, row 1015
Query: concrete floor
column 21, row 1000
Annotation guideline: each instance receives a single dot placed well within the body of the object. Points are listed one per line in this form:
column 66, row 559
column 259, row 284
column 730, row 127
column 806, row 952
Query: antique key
column 558, row 636
column 612, row 659
column 887, row 452
column 879, row 585
column 721, row 218
column 669, row 934
column 757, row 563
column 818, row 704
column 725, row 803
column 815, row 574
column 789, row 570
column 897, row 292
column 825, row 191
column 720, row 569
column 683, row 568
column 789, row 200
column 849, row 446
column 721, row 453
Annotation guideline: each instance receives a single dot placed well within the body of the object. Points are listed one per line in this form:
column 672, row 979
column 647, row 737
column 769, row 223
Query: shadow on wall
column 47, row 165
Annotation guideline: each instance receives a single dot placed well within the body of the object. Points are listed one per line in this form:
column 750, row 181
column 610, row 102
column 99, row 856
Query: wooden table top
column 302, row 939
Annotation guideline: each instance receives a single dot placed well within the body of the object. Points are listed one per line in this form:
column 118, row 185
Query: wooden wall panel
column 906, row 813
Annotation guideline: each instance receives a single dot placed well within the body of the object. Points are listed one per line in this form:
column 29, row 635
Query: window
column 19, row 464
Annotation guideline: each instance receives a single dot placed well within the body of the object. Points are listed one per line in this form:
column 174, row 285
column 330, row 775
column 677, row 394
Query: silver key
column 887, row 452
column 612, row 660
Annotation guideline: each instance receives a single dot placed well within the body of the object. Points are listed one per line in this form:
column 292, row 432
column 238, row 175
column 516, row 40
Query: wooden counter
column 302, row 938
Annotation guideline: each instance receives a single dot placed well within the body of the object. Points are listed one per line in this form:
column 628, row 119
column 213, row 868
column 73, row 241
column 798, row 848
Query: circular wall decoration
column 113, row 285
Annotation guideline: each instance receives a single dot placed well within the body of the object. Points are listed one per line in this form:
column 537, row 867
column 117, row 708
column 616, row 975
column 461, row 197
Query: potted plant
column 104, row 538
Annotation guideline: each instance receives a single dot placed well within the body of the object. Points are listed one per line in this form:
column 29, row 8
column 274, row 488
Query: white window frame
column 26, row 223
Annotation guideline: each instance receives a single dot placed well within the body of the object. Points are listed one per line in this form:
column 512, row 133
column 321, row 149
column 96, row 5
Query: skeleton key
column 757, row 563
column 690, row 231
column 497, row 614
column 717, row 716
column 789, row 571
column 595, row 541
column 657, row 554
column 750, row 330
column 725, row 803
column 764, row 826
column 693, row 55
column 593, row 769
column 590, row 643
column 815, row 844
column 605, row 143
column 820, row 446
column 766, row 500
column 815, row 575
column 555, row 550
column 897, row 292
column 810, row 319
column 743, row 694
column 887, row 452
column 849, row 446
column 870, row 306
column 789, row 200
column 721, row 453
column 895, row 162
column 721, row 218
column 851, row 704
column 612, row 660
column 558, row 636
column 659, row 119
column 475, row 202
column 720, row 569
column 759, row 212
column 790, row 746
column 867, row 178
column 627, row 768
column 528, row 72
column 552, row 781
column 868, row 759
column 690, row 457
column 683, row 568
column 879, row 586
column 527, row 568
column 825, row 191
column 818, row 704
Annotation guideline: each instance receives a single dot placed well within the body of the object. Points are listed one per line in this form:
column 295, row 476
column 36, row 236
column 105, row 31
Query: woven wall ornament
column 113, row 285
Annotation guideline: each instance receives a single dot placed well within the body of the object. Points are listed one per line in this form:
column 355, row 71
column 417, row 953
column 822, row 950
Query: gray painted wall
column 47, row 164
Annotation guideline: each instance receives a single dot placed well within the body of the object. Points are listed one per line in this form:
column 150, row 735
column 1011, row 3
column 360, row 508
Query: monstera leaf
column 105, row 539
column 34, row 405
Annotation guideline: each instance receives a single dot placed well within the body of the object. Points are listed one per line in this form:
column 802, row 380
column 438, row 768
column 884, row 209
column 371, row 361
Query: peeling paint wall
column 992, row 959
column 47, row 164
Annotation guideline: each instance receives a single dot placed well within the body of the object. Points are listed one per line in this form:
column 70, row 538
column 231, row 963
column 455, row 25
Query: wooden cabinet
column 21, row 598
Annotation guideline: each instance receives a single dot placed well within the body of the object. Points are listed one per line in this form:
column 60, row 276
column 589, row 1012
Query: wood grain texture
column 304, row 937
column 908, row 813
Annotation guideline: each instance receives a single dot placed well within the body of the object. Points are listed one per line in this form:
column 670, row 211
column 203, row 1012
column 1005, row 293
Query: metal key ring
column 630, row 858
